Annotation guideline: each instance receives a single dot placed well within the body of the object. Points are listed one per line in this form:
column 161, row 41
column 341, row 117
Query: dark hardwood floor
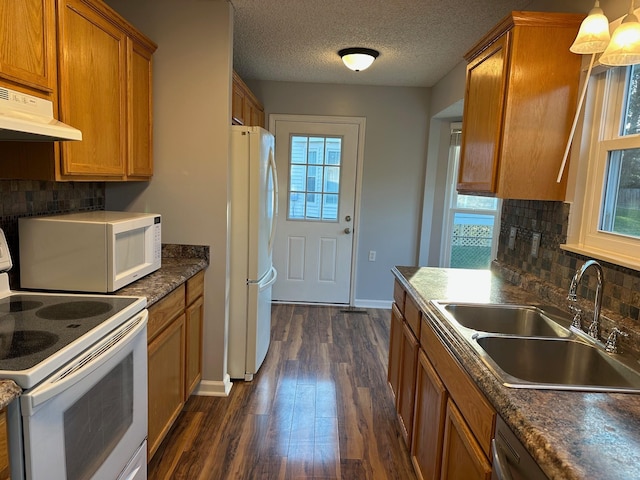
column 319, row 408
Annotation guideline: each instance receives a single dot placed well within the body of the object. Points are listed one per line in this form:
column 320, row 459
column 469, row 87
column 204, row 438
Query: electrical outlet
column 535, row 245
column 512, row 237
column 372, row 255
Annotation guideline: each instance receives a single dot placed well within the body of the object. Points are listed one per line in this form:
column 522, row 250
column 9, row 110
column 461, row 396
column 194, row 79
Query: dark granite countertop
column 179, row 264
column 572, row 435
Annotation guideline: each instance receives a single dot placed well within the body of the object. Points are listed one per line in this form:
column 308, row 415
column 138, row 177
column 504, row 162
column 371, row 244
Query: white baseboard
column 211, row 388
column 386, row 304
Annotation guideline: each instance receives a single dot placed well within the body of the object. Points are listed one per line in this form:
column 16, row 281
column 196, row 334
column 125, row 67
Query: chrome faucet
column 594, row 328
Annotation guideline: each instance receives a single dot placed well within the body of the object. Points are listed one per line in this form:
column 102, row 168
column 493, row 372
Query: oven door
column 89, row 419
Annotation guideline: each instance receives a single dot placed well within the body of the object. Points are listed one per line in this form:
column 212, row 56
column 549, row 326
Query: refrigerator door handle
column 274, row 216
column 270, row 280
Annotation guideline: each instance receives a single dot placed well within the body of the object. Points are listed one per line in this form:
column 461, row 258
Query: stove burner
column 24, row 342
column 14, row 304
column 74, row 310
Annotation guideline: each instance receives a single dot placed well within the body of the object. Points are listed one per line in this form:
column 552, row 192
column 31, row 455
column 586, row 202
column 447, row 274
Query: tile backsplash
column 555, row 266
column 21, row 198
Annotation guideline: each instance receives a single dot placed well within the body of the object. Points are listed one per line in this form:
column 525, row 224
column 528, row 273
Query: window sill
column 611, row 257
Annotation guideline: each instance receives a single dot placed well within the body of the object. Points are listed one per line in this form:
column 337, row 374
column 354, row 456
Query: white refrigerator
column 253, row 210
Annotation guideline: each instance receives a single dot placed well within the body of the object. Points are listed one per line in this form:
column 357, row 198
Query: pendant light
column 624, row 47
column 593, row 38
column 358, row 59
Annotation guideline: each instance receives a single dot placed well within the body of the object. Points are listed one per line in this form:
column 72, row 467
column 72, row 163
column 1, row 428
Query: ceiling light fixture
column 357, row 58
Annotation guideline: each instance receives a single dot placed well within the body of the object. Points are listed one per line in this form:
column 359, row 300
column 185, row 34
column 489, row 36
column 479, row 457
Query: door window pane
column 314, row 178
column 621, row 205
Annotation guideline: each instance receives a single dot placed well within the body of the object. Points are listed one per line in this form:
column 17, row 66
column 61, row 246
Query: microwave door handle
column 85, row 364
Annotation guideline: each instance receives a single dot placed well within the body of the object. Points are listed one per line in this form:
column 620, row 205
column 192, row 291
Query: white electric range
column 81, row 361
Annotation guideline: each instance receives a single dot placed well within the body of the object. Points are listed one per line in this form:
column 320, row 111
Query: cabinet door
column 407, row 391
column 166, row 381
column 462, row 457
column 28, row 40
column 5, row 470
column 195, row 316
column 395, row 346
column 483, row 111
column 92, row 73
column 428, row 421
column 139, row 102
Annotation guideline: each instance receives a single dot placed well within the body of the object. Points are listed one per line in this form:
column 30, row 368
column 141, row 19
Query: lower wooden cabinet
column 395, row 346
column 174, row 347
column 5, row 470
column 166, row 381
column 446, row 421
column 462, row 457
column 194, row 324
column 428, row 421
column 405, row 400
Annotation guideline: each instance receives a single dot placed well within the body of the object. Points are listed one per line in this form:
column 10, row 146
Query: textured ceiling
column 419, row 40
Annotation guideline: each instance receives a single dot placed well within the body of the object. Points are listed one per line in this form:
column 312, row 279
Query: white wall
column 393, row 171
column 192, row 105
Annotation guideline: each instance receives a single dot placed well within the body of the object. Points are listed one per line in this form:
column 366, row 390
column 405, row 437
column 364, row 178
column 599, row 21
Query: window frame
column 603, row 125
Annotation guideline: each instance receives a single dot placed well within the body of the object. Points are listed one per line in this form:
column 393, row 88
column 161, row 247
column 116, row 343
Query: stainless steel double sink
column 531, row 346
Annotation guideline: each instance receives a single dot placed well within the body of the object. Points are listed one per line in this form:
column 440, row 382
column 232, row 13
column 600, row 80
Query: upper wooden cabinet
column 104, row 76
column 28, row 39
column 521, row 91
column 105, row 91
column 245, row 107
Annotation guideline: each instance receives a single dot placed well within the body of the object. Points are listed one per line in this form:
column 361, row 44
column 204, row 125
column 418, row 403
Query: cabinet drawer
column 164, row 311
column 413, row 316
column 399, row 296
column 195, row 287
column 478, row 412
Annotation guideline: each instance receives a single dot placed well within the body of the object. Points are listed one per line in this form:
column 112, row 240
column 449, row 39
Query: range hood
column 27, row 118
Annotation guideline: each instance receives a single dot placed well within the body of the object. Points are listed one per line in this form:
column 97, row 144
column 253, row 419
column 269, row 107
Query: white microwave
column 96, row 251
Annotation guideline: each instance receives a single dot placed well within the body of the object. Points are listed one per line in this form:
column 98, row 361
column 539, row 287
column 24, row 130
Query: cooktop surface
column 35, row 328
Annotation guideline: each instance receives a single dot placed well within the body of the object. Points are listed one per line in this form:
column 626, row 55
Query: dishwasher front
column 511, row 461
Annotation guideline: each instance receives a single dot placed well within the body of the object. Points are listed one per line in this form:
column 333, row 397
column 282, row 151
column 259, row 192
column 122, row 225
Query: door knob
column 348, row 218
column 347, row 230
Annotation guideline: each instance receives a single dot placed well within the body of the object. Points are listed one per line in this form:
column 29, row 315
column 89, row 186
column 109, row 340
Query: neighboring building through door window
column 471, row 223
column 314, row 178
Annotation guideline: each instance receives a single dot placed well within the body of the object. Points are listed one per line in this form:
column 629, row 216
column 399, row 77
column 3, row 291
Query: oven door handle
column 84, row 364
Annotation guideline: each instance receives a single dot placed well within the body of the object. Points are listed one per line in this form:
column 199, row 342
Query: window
column 314, row 180
column 610, row 223
column 471, row 223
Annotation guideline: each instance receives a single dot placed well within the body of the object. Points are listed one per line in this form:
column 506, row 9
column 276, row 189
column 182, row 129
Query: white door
column 317, row 164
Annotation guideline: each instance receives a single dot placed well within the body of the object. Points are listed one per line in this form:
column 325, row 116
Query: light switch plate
column 512, row 237
column 535, row 244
